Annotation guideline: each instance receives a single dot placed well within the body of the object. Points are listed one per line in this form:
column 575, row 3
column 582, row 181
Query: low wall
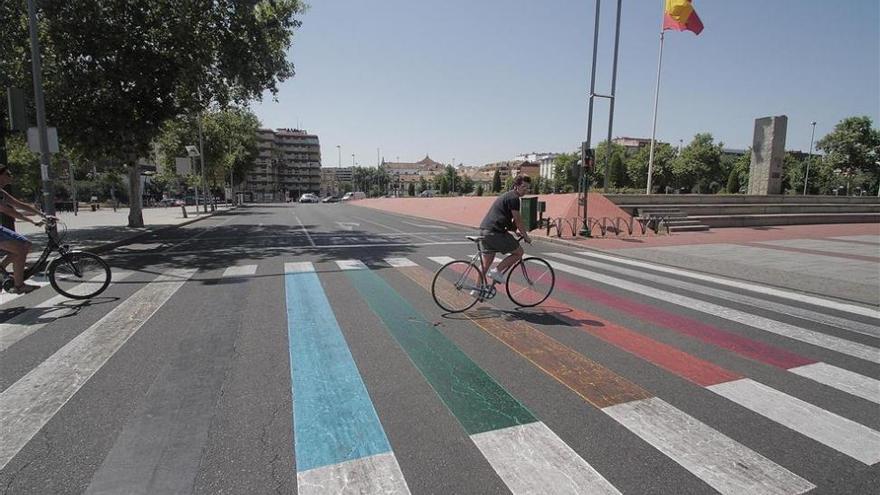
column 470, row 210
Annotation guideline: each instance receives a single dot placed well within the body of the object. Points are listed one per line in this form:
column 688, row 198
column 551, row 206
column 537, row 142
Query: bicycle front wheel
column 530, row 282
column 457, row 286
column 79, row 275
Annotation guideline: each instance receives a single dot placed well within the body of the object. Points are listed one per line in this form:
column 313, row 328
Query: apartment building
column 288, row 164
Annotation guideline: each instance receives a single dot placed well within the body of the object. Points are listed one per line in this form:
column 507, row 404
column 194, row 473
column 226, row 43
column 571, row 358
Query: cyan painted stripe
column 333, row 418
column 478, row 402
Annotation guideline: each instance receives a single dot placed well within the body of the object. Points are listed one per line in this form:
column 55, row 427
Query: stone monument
column 768, row 153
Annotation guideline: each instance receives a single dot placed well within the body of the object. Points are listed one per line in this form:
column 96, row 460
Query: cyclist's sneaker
column 496, row 276
column 24, row 289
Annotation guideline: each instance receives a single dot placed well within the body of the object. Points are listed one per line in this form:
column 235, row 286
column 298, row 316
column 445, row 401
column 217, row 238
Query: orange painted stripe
column 596, row 384
column 678, row 362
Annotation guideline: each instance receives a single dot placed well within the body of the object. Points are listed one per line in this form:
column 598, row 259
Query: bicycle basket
column 60, row 232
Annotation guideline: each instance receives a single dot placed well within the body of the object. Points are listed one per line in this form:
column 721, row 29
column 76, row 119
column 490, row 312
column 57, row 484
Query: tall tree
column 637, row 167
column 852, row 152
column 698, row 164
column 115, row 70
column 565, row 172
column 230, row 143
column 496, row 181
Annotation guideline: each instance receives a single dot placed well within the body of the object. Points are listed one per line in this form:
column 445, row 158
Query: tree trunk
column 135, row 213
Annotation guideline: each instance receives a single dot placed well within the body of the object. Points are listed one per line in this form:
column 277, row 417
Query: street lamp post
column 42, row 132
column 810, row 159
column 339, row 149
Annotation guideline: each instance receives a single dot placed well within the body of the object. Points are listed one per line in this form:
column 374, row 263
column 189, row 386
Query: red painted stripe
column 820, row 252
column 743, row 346
column 678, row 362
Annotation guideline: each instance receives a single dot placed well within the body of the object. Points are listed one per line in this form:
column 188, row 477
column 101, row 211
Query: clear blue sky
column 483, row 80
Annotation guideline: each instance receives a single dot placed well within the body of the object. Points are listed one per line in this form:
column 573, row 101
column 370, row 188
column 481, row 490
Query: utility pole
column 810, row 159
column 202, row 161
column 42, row 133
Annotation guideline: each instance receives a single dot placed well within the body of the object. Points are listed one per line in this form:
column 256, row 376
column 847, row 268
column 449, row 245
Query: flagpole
column 656, row 99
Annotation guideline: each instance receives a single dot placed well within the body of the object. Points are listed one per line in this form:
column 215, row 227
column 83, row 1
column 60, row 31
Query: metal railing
column 638, row 226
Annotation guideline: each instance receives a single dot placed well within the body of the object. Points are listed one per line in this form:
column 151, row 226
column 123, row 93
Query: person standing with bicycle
column 17, row 245
column 502, row 217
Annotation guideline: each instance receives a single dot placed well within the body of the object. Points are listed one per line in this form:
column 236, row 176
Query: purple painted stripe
column 743, row 346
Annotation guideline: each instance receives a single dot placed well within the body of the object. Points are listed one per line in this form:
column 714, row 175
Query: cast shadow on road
column 211, row 248
column 542, row 315
column 64, row 309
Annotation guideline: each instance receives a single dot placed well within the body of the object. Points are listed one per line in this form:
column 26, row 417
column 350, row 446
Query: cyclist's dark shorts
column 10, row 235
column 499, row 242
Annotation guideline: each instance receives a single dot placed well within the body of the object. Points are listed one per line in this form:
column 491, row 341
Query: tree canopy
column 115, row 70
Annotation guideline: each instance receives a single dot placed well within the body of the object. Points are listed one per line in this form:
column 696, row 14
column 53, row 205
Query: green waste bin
column 528, row 209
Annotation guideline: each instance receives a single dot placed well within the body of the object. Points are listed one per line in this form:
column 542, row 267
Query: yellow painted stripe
column 596, row 384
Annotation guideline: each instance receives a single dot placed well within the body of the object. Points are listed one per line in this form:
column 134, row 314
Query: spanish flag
column 680, row 16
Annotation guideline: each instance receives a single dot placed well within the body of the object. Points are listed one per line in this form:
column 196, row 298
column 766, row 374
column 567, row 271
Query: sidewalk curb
column 104, row 248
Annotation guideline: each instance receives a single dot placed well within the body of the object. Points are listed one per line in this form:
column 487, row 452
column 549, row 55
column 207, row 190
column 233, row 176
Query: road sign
column 183, row 166
column 34, row 140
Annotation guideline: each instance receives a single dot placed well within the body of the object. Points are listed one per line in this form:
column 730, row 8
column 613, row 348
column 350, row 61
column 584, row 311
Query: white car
column 309, row 198
column 353, row 195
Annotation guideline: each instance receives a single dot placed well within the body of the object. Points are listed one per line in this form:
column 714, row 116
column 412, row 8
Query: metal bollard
column 183, row 208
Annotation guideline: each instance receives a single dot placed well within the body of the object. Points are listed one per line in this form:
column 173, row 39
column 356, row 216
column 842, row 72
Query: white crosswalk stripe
column 819, row 339
column 725, row 295
column 552, row 466
column 35, row 318
column 28, row 404
column 761, row 289
column 240, row 271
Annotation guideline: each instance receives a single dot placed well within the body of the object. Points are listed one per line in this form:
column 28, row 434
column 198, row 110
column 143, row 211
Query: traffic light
column 587, row 156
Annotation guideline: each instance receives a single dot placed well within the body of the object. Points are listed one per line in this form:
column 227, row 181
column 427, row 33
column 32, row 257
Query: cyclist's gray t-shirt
column 500, row 215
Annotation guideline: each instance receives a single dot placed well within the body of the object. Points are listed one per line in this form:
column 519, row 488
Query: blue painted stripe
column 333, row 417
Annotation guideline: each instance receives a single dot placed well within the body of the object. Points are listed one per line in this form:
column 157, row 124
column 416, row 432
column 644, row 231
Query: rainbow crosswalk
column 732, row 343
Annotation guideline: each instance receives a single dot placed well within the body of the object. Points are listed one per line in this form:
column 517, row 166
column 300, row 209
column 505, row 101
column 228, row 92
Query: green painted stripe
column 477, row 401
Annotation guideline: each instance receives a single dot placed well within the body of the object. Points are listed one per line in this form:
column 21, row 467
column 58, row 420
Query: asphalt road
column 297, row 349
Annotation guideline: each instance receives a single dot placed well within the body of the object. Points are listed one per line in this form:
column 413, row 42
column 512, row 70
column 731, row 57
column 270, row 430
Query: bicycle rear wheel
column 79, row 275
column 530, row 282
column 457, row 286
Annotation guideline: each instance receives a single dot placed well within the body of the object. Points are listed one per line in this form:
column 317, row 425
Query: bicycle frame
column 51, row 246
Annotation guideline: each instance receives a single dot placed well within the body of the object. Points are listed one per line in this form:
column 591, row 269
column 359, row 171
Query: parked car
column 170, row 202
column 309, row 198
column 353, row 195
column 427, row 193
column 330, row 199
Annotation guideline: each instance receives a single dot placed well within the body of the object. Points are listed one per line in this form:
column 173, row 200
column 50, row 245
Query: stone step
column 698, row 227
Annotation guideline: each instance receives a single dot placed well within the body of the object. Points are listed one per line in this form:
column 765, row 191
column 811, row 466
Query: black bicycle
column 460, row 284
column 74, row 274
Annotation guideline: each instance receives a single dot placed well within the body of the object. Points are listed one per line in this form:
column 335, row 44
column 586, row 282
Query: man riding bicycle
column 17, row 245
column 502, row 217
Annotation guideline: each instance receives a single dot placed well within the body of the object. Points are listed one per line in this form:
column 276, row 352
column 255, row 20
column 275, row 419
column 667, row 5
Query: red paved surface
column 469, row 211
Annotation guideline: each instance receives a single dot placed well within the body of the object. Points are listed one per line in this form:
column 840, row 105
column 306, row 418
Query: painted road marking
column 745, row 471
column 240, row 271
column 28, row 404
column 843, row 323
column 424, row 225
column 305, row 231
column 761, row 289
column 832, row 376
column 487, row 412
column 845, row 436
column 392, row 228
column 400, row 262
column 349, row 226
column 334, row 419
column 819, row 339
column 351, row 265
column 841, row 379
column 35, row 318
column 518, row 453
column 724, row 464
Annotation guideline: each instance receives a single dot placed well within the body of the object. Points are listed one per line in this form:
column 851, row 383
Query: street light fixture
column 810, row 159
